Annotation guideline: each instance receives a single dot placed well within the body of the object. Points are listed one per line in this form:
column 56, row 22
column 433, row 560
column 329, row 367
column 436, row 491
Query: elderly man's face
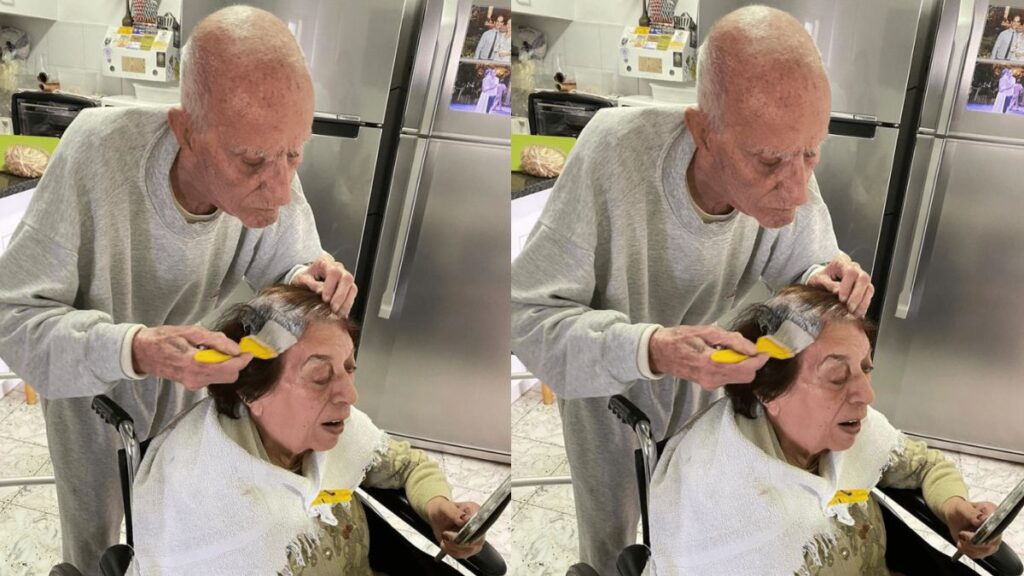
column 766, row 152
column 307, row 407
column 824, row 407
column 248, row 154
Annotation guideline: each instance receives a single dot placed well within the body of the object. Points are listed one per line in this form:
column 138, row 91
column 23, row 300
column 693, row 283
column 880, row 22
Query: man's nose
column 279, row 182
column 794, row 181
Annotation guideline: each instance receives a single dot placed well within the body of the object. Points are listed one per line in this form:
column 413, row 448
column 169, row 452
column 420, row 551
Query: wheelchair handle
column 110, row 412
column 627, row 412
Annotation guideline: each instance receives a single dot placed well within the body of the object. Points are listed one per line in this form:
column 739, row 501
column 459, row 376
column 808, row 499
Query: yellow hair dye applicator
column 268, row 343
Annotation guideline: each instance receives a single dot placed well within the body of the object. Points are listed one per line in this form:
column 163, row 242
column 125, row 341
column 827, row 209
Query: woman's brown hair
column 291, row 306
column 776, row 376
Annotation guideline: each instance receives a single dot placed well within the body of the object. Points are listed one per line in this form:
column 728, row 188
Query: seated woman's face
column 306, row 408
column 823, row 408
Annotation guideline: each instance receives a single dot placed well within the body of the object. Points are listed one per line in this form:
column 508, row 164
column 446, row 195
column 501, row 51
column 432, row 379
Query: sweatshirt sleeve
column 575, row 349
column 63, row 352
column 285, row 246
column 801, row 248
column 925, row 468
column 578, row 351
column 405, row 467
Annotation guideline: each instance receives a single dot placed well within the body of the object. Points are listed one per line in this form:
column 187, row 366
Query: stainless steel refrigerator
column 949, row 359
column 409, row 186
column 434, row 355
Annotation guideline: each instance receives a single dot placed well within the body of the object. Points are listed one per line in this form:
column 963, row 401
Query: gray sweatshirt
column 620, row 248
column 103, row 248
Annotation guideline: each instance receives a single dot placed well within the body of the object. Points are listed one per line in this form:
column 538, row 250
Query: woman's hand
column 963, row 519
column 446, row 517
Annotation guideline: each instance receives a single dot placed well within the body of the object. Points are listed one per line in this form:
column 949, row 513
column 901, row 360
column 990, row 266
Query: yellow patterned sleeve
column 405, row 467
column 922, row 467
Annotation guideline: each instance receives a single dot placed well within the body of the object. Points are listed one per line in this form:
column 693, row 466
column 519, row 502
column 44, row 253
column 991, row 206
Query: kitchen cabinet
column 45, row 9
column 564, row 9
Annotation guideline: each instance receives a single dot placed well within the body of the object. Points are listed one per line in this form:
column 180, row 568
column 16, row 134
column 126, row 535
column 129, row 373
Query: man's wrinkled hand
column 685, row 352
column 167, row 352
column 848, row 280
column 329, row 278
column 446, row 518
column 964, row 518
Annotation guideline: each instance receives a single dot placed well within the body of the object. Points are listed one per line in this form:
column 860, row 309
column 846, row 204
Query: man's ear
column 181, row 126
column 697, row 124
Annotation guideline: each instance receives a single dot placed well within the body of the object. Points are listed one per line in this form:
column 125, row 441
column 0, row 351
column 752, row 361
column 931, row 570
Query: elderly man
column 146, row 220
column 660, row 222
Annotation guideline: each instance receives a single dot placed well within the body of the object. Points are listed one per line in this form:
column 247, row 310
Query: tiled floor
column 29, row 526
column 544, row 523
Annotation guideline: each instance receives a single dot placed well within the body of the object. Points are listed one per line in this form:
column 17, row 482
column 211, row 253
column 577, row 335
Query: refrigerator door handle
column 903, row 304
column 391, row 287
column 425, row 88
column 935, row 111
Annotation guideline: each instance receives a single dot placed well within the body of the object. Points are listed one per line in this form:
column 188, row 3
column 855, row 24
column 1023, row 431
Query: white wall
column 73, row 43
column 587, row 48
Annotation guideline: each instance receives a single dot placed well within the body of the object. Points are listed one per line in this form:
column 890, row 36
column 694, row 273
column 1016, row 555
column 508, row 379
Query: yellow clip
column 765, row 345
column 332, row 497
column 849, row 497
column 248, row 345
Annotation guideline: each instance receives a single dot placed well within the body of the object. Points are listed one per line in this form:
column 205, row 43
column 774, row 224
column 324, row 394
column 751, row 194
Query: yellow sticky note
column 849, row 497
column 332, row 497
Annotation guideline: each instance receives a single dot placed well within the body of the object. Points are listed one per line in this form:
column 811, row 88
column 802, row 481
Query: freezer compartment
column 350, row 48
column 337, row 174
column 988, row 106
column 948, row 360
column 467, row 92
column 867, row 47
column 853, row 175
column 436, row 334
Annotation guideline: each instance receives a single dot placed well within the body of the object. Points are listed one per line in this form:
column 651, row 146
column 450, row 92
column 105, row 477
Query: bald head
column 755, row 61
column 237, row 59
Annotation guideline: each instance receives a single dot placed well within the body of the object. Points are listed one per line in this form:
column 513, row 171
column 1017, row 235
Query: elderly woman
column 774, row 479
column 258, row 478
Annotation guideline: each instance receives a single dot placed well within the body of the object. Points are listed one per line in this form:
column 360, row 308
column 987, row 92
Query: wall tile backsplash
column 71, row 48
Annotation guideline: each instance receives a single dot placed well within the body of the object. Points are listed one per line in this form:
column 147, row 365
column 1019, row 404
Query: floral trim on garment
column 851, row 519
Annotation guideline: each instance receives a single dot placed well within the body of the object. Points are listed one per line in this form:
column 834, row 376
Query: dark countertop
column 11, row 185
column 524, row 184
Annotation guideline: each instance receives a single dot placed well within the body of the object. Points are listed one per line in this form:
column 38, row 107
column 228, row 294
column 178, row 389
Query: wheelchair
column 632, row 560
column 390, row 551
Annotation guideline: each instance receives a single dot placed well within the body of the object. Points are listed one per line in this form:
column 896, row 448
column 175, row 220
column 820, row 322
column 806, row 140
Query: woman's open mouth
column 850, row 426
column 334, row 426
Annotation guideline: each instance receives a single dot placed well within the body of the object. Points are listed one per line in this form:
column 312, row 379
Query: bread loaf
column 26, row 161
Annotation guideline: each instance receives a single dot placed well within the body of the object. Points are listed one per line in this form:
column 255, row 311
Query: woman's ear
column 772, row 407
column 255, row 407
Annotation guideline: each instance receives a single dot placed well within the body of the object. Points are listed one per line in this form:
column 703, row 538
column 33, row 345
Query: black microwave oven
column 36, row 113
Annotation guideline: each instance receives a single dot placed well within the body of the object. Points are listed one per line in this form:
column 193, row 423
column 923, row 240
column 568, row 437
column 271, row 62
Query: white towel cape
column 720, row 505
column 205, row 502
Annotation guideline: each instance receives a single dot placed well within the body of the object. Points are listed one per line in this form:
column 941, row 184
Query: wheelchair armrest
column 486, row 563
column 581, row 570
column 1004, row 562
column 633, row 559
column 115, row 560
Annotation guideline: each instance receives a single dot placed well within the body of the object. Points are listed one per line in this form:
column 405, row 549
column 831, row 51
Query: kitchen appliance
column 555, row 113
column 46, row 113
column 948, row 355
column 921, row 193
column 408, row 183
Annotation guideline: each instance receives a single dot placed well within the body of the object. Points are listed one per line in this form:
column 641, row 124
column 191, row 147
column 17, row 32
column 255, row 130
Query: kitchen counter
column 524, row 184
column 11, row 185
